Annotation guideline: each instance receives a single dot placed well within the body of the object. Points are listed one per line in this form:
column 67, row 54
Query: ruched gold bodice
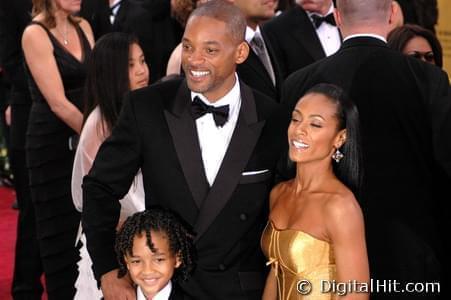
column 297, row 256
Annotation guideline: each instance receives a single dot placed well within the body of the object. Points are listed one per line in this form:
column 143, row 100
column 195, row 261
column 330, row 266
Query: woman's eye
column 294, row 120
column 316, row 125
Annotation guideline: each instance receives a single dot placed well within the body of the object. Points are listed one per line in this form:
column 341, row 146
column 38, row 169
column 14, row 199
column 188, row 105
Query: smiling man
column 207, row 146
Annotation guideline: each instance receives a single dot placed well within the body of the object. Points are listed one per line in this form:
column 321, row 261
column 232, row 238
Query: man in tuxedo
column 405, row 114
column 302, row 35
column 207, row 147
column 261, row 69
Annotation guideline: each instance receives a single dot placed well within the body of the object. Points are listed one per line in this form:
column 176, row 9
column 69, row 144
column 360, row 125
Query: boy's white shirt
column 163, row 294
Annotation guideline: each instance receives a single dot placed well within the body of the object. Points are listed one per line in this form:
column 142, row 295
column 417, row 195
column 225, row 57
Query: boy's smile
column 151, row 270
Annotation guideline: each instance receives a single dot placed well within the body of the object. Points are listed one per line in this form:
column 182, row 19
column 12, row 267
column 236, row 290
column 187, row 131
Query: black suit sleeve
column 295, row 87
column 110, row 178
column 440, row 116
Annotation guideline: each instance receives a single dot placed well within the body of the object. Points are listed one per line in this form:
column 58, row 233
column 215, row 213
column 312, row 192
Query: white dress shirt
column 163, row 294
column 328, row 34
column 215, row 140
column 116, row 5
column 372, row 35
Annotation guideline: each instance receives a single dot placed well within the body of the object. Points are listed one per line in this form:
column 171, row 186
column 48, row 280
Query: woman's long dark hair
column 348, row 170
column 107, row 78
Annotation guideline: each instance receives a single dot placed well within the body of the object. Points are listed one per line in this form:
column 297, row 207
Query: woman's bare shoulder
column 36, row 37
column 342, row 207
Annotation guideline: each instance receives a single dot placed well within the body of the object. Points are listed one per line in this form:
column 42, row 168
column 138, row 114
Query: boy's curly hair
column 160, row 220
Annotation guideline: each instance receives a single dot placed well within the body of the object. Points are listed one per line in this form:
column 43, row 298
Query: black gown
column 49, row 161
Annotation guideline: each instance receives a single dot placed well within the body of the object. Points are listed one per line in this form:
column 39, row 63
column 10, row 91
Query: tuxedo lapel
column 274, row 63
column 242, row 144
column 184, row 136
column 255, row 63
column 305, row 34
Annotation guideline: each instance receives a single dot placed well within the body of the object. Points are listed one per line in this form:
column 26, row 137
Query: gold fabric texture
column 297, row 256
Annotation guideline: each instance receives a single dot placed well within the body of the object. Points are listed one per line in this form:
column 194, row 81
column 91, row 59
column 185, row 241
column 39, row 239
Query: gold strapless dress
column 298, row 256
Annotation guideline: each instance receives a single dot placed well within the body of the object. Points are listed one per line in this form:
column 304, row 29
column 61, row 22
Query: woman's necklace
column 64, row 36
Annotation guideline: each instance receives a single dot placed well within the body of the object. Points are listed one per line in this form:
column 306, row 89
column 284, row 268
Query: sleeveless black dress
column 49, row 161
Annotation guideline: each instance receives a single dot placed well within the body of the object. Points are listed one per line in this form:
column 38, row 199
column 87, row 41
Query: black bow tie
column 220, row 113
column 318, row 20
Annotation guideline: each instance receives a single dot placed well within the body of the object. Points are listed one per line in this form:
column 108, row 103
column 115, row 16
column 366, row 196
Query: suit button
column 222, row 267
column 243, row 217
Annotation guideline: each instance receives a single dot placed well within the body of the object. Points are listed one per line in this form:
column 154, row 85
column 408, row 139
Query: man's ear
column 242, row 52
column 396, row 15
column 337, row 17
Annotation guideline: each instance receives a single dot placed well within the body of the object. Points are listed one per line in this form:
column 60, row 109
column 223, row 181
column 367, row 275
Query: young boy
column 153, row 247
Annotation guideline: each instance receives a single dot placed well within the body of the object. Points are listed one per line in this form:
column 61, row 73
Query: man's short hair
column 226, row 12
column 355, row 12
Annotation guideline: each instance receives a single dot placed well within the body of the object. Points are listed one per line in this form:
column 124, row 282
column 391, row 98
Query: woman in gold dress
column 315, row 238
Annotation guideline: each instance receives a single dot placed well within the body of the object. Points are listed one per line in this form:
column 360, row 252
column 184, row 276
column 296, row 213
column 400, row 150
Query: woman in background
column 56, row 46
column 418, row 42
column 116, row 66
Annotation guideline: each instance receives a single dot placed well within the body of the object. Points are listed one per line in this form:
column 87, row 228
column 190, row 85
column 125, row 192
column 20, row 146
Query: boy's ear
column 178, row 260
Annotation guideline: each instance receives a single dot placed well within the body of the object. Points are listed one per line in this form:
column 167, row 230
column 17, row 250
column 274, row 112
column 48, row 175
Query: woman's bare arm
column 345, row 227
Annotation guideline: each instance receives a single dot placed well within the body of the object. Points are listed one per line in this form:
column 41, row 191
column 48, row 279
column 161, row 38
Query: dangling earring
column 337, row 156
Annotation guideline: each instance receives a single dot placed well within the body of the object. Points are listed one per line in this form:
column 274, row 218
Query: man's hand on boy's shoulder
column 114, row 288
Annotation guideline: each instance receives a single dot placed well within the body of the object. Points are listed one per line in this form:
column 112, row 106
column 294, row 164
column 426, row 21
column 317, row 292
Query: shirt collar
column 331, row 10
column 163, row 294
column 372, row 35
column 232, row 98
column 251, row 32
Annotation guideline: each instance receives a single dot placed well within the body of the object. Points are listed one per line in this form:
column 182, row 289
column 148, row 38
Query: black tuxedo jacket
column 253, row 73
column 405, row 116
column 156, row 132
column 294, row 40
column 97, row 13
